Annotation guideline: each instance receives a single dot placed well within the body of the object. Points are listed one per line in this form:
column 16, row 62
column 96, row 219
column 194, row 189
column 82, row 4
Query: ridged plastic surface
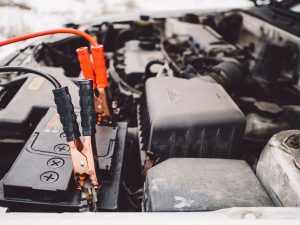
column 87, row 111
column 66, row 113
column 189, row 118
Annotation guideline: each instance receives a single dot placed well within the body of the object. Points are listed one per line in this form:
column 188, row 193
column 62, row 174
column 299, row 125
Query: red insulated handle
column 86, row 64
column 99, row 66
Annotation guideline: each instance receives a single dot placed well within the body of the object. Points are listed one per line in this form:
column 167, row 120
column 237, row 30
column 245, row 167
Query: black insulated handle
column 87, row 108
column 66, row 113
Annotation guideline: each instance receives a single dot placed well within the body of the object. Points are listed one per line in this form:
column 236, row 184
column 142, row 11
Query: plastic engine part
column 190, row 118
column 278, row 168
column 202, row 185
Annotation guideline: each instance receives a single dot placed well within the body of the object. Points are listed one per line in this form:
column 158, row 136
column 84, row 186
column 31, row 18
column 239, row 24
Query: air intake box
column 202, row 185
column 189, row 118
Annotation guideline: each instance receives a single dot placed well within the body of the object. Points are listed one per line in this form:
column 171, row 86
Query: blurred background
column 19, row 17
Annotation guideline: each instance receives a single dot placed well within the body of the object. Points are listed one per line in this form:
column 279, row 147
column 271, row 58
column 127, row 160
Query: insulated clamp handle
column 66, row 113
column 87, row 111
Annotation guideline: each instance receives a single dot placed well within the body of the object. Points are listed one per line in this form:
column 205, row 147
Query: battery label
column 36, row 83
column 54, row 125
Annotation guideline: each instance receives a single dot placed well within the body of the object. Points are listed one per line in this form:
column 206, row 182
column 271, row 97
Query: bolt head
column 81, row 164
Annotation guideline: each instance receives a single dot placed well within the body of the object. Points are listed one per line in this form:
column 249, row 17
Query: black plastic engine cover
column 136, row 58
column 41, row 178
column 190, row 118
column 202, row 185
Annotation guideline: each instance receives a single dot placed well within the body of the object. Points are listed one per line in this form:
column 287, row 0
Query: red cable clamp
column 86, row 64
column 99, row 66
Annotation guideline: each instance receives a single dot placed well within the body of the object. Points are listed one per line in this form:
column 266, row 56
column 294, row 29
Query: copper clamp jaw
column 83, row 161
column 101, row 100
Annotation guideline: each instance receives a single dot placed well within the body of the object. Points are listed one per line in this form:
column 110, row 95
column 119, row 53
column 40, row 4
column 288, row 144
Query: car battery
column 33, row 96
column 22, row 105
column 41, row 179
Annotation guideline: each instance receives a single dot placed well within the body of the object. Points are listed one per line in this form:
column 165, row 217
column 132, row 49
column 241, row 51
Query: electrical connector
column 99, row 66
column 86, row 64
column 101, row 96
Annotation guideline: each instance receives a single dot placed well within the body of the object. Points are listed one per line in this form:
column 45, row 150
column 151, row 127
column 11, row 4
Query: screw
column 55, row 162
column 49, row 177
column 61, row 148
column 81, row 164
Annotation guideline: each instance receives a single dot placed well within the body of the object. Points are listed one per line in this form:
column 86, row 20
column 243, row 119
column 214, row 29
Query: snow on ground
column 19, row 17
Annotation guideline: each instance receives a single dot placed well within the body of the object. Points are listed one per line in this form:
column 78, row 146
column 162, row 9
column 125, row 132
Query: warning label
column 54, row 125
column 36, row 83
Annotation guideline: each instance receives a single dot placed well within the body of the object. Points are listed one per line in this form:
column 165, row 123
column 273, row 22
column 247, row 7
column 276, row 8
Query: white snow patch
column 48, row 14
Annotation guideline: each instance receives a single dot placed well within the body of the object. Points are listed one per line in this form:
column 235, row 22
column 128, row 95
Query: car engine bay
column 197, row 112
